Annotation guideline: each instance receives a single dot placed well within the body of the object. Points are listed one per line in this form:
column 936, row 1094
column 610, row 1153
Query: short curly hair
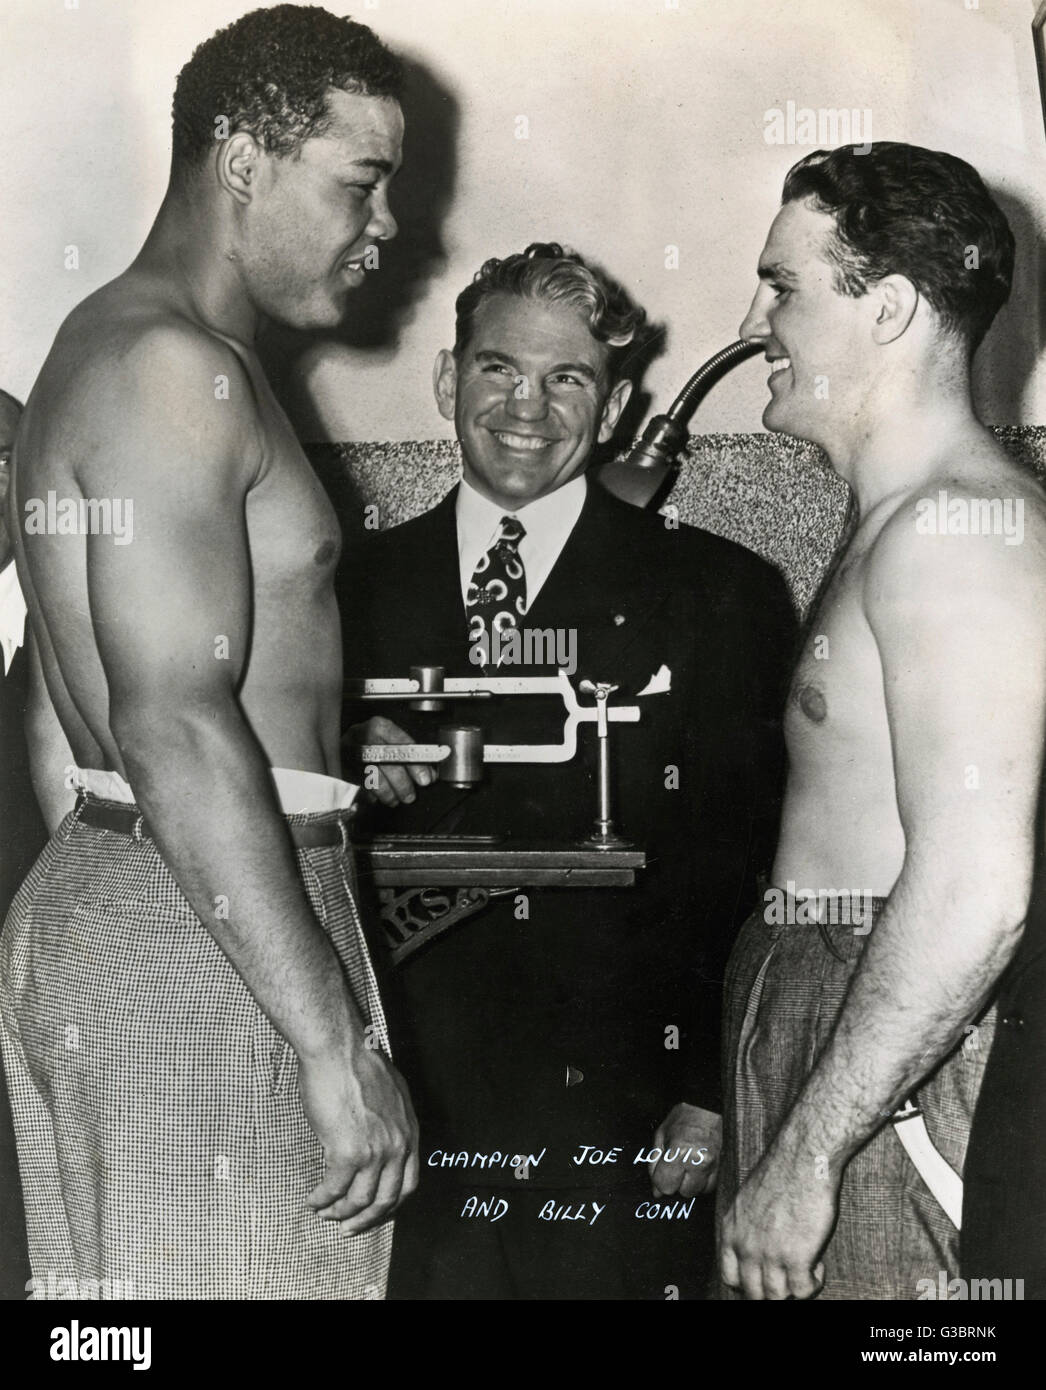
column 269, row 73
column 546, row 272
column 903, row 210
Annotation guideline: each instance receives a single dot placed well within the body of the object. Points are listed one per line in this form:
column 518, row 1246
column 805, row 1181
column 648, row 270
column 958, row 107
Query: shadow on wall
column 384, row 304
column 1007, row 359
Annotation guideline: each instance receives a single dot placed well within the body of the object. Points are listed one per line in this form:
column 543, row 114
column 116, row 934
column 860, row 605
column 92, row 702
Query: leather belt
column 110, row 815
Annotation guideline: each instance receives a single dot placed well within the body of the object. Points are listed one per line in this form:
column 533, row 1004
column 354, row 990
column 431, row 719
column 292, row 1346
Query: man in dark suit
column 22, row 837
column 556, row 1019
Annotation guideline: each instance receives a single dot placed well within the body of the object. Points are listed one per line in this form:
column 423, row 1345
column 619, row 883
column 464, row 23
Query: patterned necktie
column 497, row 593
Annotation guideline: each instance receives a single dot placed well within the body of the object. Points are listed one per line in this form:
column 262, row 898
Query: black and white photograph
column 523, row 607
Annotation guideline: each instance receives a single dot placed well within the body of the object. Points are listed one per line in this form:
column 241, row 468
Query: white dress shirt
column 12, row 614
column 548, row 523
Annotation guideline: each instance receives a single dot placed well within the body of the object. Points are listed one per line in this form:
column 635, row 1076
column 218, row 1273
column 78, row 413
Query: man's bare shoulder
column 126, row 341
column 963, row 538
column 136, row 376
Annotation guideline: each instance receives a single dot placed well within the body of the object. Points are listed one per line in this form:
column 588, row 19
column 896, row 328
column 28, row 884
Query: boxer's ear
column 894, row 300
column 236, row 165
column 445, row 382
column 612, row 408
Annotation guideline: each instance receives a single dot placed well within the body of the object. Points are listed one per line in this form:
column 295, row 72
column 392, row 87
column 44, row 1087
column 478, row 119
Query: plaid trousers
column 163, row 1146
column 785, row 988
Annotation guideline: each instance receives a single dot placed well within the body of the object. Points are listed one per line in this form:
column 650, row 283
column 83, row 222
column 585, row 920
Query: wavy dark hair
column 270, row 72
column 546, row 272
column 904, row 210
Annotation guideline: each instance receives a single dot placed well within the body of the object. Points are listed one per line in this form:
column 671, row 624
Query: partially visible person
column 196, row 1048
column 22, row 837
column 914, row 727
column 586, row 1017
column 1004, row 1193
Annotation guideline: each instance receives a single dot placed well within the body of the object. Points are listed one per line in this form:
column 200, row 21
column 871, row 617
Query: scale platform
column 491, row 861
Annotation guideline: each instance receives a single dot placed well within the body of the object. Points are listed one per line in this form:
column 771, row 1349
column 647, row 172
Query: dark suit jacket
column 491, row 1016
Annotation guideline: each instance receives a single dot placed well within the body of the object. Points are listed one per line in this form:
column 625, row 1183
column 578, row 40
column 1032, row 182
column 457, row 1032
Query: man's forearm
column 49, row 774
column 50, row 756
column 205, row 791
column 930, row 965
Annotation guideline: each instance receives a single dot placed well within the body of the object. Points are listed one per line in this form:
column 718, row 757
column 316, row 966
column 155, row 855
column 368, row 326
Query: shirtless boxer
column 195, row 1043
column 914, row 729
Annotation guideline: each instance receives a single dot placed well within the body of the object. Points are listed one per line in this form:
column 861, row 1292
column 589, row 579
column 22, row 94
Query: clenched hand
column 777, row 1227
column 359, row 1109
column 687, row 1128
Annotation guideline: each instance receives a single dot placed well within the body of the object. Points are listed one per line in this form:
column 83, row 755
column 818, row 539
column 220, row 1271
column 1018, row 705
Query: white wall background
column 646, row 126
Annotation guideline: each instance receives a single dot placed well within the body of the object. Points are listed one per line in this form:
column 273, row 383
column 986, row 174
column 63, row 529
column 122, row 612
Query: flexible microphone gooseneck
column 665, row 437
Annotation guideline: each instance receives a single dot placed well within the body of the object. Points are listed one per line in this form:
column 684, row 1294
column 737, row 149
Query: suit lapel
column 604, row 585
column 430, row 618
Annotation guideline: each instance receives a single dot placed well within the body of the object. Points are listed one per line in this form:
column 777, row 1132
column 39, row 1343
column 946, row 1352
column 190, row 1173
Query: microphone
column 657, row 452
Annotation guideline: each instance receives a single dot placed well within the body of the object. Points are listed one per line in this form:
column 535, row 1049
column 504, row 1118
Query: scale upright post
column 604, row 836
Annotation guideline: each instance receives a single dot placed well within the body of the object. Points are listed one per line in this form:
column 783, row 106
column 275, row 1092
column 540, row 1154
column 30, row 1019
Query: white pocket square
column 660, row 683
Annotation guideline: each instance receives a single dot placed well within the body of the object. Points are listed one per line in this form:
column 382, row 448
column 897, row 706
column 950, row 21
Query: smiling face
column 814, row 337
column 529, row 398
column 311, row 216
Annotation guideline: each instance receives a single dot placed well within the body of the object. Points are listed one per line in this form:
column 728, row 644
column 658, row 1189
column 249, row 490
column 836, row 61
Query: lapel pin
column 619, row 618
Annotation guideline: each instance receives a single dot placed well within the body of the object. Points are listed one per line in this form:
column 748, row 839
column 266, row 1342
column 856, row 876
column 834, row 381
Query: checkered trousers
column 785, row 988
column 161, row 1140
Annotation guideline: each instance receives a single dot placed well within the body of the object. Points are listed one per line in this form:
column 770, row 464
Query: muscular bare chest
column 836, row 717
column 291, row 689
column 293, row 532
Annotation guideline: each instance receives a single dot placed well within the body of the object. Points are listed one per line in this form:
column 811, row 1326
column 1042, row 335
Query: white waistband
column 298, row 792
